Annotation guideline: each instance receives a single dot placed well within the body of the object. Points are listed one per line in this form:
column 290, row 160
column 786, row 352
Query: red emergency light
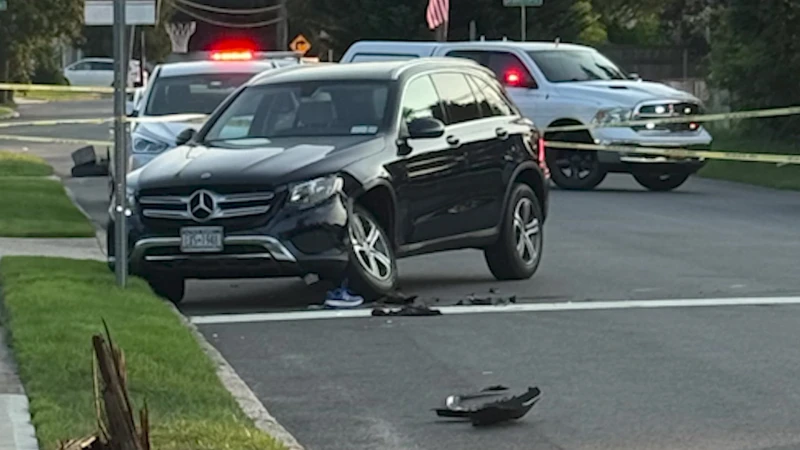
column 232, row 55
column 512, row 78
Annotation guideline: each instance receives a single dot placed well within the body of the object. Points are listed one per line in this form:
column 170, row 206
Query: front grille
column 172, row 209
column 667, row 110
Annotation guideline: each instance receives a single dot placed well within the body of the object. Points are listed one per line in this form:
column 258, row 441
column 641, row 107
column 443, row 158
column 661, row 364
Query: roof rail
column 432, row 59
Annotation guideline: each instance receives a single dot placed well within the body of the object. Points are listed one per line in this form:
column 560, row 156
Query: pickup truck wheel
column 170, row 288
column 574, row 169
column 661, row 182
column 372, row 270
column 517, row 253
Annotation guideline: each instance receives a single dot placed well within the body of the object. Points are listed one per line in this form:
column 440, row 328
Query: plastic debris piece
column 490, row 406
column 407, row 310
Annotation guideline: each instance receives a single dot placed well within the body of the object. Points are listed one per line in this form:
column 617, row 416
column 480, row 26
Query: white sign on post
column 101, row 12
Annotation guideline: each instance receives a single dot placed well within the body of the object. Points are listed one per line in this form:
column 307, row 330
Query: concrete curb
column 247, row 400
column 99, row 234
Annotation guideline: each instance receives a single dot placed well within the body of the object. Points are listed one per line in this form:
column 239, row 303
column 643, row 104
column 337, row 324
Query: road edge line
column 244, row 396
column 496, row 309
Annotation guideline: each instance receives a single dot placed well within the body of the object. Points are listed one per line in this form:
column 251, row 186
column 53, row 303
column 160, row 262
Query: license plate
column 201, row 239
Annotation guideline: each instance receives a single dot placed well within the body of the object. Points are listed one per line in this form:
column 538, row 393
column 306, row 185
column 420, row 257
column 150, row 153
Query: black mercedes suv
column 336, row 171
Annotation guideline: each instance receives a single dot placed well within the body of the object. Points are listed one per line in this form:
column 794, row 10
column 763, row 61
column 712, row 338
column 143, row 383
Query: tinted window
column 99, row 65
column 559, row 66
column 366, row 57
column 421, row 100
column 312, row 108
column 492, row 102
column 194, row 94
column 457, row 97
column 81, row 66
column 501, row 63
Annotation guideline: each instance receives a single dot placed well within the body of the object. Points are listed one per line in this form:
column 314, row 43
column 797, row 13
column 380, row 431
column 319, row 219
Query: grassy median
column 4, row 111
column 761, row 174
column 34, row 206
column 60, row 96
column 53, row 307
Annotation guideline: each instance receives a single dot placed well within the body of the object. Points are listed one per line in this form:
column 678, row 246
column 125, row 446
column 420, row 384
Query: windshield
column 316, row 108
column 561, row 66
column 193, row 94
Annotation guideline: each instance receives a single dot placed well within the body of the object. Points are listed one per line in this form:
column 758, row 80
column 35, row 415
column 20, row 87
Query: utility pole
column 120, row 144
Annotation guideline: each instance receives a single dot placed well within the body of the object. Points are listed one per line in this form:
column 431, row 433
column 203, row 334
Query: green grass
column 39, row 207
column 756, row 173
column 23, row 165
column 4, row 110
column 54, row 306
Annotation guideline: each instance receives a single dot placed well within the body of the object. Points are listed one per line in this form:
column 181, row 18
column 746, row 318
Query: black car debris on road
column 335, row 171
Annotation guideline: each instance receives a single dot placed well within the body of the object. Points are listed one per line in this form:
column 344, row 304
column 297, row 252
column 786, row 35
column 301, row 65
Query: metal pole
column 523, row 23
column 120, row 140
column 283, row 28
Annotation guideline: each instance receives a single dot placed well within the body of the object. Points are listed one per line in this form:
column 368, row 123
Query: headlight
column 309, row 193
column 142, row 145
column 612, row 115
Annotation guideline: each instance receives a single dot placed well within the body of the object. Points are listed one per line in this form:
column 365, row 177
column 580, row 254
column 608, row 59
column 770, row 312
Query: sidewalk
column 16, row 430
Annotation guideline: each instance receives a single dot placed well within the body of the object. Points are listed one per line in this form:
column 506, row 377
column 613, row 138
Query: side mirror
column 425, row 128
column 130, row 110
column 635, row 77
column 185, row 136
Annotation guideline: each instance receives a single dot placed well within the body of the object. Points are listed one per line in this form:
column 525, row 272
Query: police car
column 191, row 84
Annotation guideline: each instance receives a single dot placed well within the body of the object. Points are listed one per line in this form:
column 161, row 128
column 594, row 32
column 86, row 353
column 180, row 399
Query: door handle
column 452, row 140
column 502, row 133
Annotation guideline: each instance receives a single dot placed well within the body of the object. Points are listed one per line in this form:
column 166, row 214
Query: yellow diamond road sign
column 300, row 44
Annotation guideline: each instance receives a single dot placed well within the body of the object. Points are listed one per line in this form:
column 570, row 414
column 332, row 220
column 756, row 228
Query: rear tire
column 661, row 182
column 518, row 252
column 372, row 270
column 577, row 170
column 170, row 288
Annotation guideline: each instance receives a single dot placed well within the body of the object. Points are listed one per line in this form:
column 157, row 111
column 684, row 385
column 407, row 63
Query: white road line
column 524, row 307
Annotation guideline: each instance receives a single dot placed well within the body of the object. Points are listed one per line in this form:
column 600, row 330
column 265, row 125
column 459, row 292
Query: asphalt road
column 700, row 378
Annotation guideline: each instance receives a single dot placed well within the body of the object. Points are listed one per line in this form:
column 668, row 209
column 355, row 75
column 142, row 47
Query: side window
column 457, row 97
column 494, row 104
column 81, row 66
column 477, row 56
column 421, row 100
column 510, row 70
column 100, row 65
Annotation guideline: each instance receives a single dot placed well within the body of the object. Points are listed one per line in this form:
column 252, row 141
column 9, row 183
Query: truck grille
column 666, row 110
column 166, row 210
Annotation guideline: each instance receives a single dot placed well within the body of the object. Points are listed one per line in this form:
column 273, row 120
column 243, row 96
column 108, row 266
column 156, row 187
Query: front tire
column 372, row 270
column 170, row 288
column 577, row 170
column 661, row 182
column 518, row 252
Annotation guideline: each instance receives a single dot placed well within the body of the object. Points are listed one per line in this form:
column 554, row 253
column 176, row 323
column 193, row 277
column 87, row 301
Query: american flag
column 438, row 13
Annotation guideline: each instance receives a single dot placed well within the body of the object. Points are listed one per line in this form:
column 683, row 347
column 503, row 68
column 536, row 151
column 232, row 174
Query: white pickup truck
column 557, row 84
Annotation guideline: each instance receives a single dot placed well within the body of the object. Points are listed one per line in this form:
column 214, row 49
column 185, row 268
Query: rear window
column 193, row 94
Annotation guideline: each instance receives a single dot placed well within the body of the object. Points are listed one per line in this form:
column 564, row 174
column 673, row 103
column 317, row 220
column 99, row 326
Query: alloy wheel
column 527, row 231
column 370, row 247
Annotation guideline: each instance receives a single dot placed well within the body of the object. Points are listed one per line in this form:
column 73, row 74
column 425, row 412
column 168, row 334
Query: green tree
column 632, row 21
column 29, row 25
column 347, row 22
column 756, row 55
column 98, row 40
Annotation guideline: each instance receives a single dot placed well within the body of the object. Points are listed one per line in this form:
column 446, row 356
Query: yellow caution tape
column 754, row 114
column 158, row 119
column 59, row 88
column 52, row 140
column 679, row 152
